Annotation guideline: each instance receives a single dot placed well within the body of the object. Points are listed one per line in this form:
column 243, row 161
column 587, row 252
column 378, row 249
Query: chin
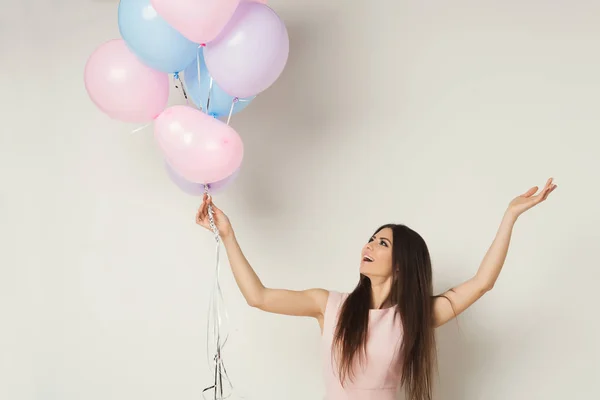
column 365, row 270
column 370, row 272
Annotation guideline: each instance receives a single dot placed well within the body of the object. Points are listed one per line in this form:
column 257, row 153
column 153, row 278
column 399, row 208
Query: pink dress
column 379, row 378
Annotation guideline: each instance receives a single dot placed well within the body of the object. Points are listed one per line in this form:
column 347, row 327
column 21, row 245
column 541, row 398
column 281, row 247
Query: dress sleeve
column 332, row 308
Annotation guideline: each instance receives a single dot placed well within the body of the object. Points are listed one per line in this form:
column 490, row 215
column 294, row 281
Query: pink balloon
column 198, row 147
column 250, row 53
column 198, row 20
column 122, row 86
column 255, row 1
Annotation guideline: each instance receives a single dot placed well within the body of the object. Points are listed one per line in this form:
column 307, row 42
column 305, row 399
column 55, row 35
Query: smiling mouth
column 367, row 259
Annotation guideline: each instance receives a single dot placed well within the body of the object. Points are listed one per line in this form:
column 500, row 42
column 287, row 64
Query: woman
column 380, row 336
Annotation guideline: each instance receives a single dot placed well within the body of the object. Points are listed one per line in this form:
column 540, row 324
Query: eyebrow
column 383, row 238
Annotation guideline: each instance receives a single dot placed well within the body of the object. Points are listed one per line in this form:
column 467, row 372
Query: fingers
column 203, row 206
column 530, row 192
column 548, row 188
column 549, row 185
column 200, row 215
column 202, row 211
column 216, row 209
column 548, row 191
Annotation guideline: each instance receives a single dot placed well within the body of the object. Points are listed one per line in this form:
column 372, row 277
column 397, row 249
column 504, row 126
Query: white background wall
column 431, row 113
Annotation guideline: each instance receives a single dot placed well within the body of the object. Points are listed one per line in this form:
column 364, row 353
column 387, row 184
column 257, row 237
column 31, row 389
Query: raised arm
column 306, row 303
column 456, row 300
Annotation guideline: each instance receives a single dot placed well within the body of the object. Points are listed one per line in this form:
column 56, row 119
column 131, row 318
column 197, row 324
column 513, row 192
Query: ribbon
column 222, row 387
column 210, row 86
column 176, row 77
column 198, row 76
column 233, row 102
column 136, row 130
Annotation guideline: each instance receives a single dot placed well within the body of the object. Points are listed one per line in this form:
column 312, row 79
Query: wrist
column 227, row 236
column 510, row 216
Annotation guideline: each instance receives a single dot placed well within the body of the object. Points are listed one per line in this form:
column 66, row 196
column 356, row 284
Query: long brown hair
column 412, row 292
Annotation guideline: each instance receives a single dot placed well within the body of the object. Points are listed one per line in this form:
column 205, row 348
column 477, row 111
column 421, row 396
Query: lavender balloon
column 197, row 189
column 250, row 52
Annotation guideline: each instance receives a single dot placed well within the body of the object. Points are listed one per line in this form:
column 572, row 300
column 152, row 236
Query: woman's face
column 376, row 256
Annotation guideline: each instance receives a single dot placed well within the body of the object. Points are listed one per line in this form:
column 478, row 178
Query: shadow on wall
column 468, row 350
column 468, row 356
column 284, row 126
column 465, row 348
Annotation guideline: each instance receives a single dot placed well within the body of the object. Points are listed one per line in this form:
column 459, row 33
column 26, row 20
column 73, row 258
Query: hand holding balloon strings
column 229, row 51
column 206, row 217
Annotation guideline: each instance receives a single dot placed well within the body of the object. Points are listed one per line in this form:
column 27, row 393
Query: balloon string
column 221, row 378
column 211, row 219
column 176, row 77
column 210, row 86
column 136, row 130
column 233, row 103
column 198, row 67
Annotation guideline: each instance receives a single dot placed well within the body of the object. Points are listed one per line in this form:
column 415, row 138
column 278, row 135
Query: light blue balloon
column 152, row 39
column 220, row 102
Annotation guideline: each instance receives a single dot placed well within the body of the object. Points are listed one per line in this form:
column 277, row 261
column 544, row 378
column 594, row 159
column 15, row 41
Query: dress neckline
column 382, row 309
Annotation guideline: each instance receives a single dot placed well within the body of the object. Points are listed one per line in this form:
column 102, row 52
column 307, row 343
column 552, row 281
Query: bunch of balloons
column 228, row 51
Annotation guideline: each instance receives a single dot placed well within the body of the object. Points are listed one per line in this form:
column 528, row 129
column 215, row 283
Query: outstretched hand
column 530, row 199
column 221, row 220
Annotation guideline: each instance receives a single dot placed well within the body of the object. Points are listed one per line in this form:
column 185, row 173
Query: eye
column 383, row 243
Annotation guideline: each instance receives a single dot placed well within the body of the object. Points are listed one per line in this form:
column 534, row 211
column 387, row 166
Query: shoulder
column 334, row 300
column 333, row 305
column 318, row 295
column 327, row 300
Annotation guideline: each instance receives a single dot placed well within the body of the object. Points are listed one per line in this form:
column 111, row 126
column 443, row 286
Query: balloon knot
column 176, row 75
column 202, row 44
column 236, row 99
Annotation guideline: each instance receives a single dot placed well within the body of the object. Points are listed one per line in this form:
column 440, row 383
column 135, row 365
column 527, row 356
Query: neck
column 380, row 289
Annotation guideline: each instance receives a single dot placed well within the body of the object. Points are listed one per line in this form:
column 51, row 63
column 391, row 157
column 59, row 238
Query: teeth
column 367, row 258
